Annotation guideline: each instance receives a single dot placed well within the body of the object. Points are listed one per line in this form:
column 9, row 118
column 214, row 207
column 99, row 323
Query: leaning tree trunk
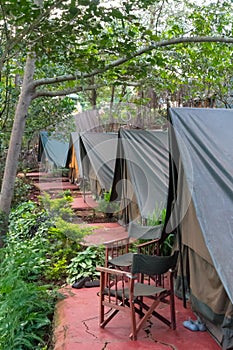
column 17, row 132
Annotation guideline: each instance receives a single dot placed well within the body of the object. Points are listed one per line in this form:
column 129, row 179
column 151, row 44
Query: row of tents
column 188, row 170
column 131, row 164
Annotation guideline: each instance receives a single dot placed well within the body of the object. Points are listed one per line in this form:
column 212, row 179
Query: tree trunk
column 17, row 132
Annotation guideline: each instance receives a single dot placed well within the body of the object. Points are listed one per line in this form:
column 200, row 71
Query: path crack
column 149, row 335
column 87, row 328
column 105, row 345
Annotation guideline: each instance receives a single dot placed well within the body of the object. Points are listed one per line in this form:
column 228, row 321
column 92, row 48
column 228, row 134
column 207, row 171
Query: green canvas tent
column 98, row 156
column 200, row 209
column 52, row 151
column 141, row 174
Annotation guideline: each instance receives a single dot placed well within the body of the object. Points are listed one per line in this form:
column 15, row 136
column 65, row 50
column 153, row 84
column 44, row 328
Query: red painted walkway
column 83, row 203
column 55, row 185
column 76, row 317
column 105, row 234
column 76, row 328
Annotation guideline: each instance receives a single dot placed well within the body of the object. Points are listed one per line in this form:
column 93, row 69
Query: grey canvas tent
column 200, row 209
column 141, row 174
column 73, row 161
column 52, row 151
column 88, row 121
column 98, row 155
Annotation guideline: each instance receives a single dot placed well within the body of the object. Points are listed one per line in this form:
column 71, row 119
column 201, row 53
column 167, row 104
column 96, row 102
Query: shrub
column 85, row 262
column 39, row 247
column 21, row 191
column 157, row 218
column 26, row 311
column 107, row 207
column 59, row 207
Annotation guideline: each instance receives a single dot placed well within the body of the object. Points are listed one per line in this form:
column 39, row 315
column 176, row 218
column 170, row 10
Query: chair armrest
column 114, row 272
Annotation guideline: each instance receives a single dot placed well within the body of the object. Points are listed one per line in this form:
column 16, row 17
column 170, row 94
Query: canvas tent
column 98, row 155
column 52, row 151
column 141, row 174
column 200, row 207
column 88, row 121
column 73, row 161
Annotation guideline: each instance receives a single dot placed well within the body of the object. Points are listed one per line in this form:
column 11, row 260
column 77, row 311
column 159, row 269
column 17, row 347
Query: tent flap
column 142, row 171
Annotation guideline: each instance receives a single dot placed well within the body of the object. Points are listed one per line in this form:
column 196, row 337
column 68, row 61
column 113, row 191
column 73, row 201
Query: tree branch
column 44, row 93
column 120, row 61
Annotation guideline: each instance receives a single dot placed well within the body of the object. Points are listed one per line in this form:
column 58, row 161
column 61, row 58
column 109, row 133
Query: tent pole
column 181, row 267
column 84, row 192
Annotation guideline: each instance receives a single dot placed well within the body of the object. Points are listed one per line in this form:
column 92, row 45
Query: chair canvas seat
column 140, row 289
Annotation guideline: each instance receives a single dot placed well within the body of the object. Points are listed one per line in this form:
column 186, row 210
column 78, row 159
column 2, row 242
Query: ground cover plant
column 39, row 247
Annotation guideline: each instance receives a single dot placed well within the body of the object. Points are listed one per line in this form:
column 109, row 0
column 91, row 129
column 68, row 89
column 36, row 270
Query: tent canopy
column 205, row 141
column 142, row 170
column 98, row 155
column 52, row 150
column 200, row 204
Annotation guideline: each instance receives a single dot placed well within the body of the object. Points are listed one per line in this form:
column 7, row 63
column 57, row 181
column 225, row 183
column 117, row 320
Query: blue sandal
column 194, row 325
column 191, row 325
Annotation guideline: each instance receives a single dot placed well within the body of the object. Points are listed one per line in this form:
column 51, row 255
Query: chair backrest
column 137, row 231
column 153, row 265
column 115, row 248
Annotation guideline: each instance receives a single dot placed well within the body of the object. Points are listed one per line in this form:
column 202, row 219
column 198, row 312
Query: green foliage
column 85, row 262
column 55, row 114
column 21, row 190
column 167, row 245
column 26, row 306
column 59, row 207
column 65, row 238
column 39, row 247
column 107, row 207
column 157, row 217
column 71, row 231
column 3, row 224
column 26, row 311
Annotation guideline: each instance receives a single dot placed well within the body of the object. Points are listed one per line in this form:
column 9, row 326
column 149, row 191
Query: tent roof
column 205, row 143
column 88, row 121
column 146, row 156
column 55, row 149
column 100, row 151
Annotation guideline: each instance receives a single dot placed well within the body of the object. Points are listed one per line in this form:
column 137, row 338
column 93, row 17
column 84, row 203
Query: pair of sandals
column 194, row 326
column 85, row 282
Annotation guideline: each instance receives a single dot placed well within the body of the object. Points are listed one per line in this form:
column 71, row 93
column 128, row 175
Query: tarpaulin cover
column 88, row 121
column 142, row 164
column 144, row 232
column 98, row 151
column 205, row 144
column 53, row 149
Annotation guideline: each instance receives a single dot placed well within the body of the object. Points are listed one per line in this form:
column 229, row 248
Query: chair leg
column 172, row 311
column 172, row 304
column 108, row 319
column 102, row 284
column 133, row 335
